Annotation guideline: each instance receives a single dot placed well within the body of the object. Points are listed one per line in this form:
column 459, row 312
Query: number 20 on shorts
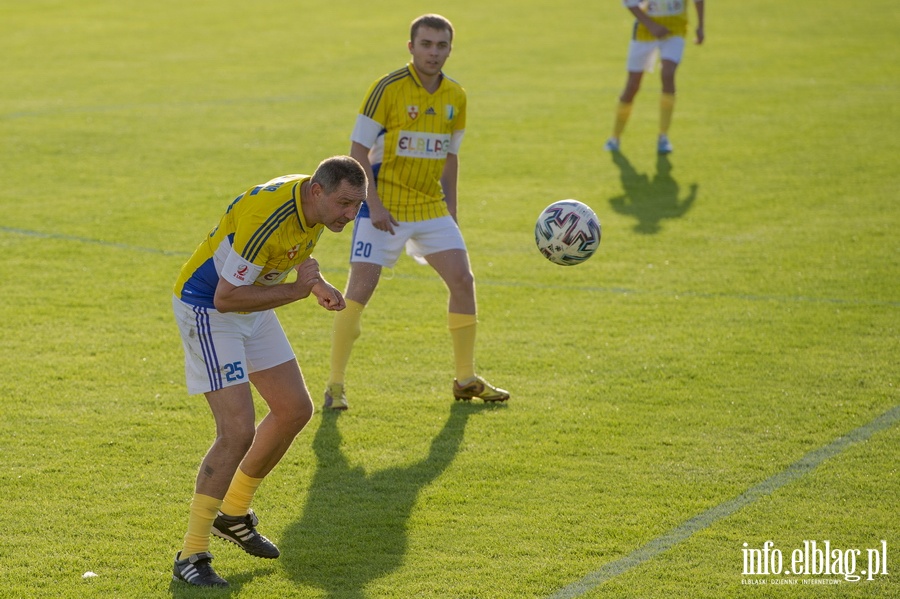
column 362, row 250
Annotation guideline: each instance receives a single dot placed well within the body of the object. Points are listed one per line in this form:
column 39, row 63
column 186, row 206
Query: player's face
column 340, row 207
column 430, row 50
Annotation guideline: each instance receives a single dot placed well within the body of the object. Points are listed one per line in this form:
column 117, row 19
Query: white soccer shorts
column 221, row 350
column 420, row 238
column 642, row 55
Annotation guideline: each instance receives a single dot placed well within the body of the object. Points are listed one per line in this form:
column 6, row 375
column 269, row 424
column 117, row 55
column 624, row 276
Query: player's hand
column 700, row 36
column 329, row 297
column 308, row 276
column 382, row 219
column 658, row 31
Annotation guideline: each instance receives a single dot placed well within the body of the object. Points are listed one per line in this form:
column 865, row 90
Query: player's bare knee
column 236, row 442
column 628, row 95
column 295, row 420
column 466, row 282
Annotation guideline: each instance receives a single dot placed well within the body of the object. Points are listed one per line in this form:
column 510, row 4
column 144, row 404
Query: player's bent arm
column 449, row 179
column 256, row 298
column 253, row 298
column 659, row 31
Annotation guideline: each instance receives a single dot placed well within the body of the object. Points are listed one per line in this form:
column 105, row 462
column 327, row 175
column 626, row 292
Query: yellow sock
column 240, row 494
column 462, row 330
column 203, row 511
column 666, row 107
column 347, row 327
column 623, row 111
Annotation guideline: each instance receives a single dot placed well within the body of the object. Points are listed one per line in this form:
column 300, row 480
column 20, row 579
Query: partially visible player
column 660, row 27
column 407, row 138
column 224, row 304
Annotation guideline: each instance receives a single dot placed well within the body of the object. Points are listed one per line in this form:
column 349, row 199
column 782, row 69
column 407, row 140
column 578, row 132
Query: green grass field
column 723, row 372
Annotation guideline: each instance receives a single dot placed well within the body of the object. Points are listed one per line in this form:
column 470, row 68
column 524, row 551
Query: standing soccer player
column 660, row 26
column 224, row 304
column 407, row 138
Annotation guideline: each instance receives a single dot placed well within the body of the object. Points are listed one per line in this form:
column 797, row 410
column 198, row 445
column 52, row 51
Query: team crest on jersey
column 450, row 110
column 413, row 111
column 291, row 253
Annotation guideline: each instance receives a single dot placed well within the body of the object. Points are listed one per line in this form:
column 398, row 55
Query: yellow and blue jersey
column 672, row 14
column 265, row 228
column 410, row 132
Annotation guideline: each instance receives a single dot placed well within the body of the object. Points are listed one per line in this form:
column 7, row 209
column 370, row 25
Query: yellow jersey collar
column 415, row 75
column 297, row 202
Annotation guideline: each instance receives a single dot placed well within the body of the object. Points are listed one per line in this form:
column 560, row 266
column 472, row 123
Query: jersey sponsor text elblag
column 410, row 132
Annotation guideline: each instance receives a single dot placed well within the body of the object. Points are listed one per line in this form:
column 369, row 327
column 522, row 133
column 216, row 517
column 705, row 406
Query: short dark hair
column 431, row 21
column 333, row 171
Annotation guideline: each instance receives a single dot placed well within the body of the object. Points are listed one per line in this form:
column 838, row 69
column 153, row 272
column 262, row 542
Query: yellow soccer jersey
column 410, row 132
column 672, row 14
column 258, row 241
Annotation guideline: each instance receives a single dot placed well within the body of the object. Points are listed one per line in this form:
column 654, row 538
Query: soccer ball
column 567, row 232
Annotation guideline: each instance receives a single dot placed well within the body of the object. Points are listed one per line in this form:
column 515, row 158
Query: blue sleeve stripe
column 378, row 92
column 262, row 234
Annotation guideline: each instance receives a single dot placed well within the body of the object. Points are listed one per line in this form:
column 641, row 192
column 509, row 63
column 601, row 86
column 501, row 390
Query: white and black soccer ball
column 567, row 232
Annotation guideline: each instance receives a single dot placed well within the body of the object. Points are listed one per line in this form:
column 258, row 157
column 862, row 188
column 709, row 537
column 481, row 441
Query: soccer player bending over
column 224, row 304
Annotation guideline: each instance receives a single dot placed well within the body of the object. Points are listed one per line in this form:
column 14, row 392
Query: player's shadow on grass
column 353, row 528
column 650, row 200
